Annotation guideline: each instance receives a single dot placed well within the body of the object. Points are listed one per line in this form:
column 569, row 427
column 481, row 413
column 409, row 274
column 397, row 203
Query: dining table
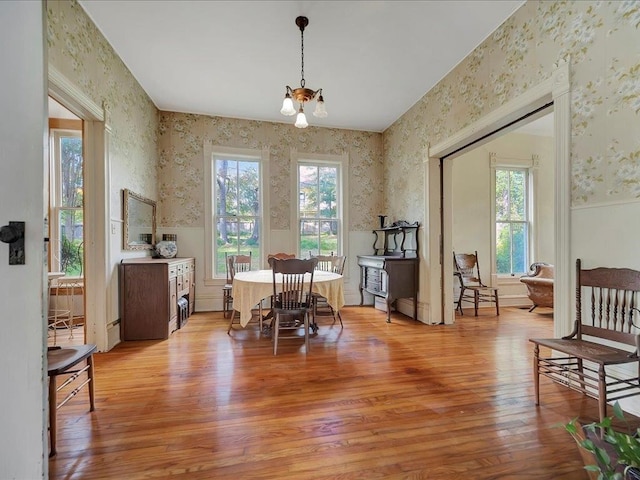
column 251, row 287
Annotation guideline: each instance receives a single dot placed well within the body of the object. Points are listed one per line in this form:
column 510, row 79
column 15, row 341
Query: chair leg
column 233, row 316
column 495, row 294
column 340, row 318
column 459, row 307
column 476, row 300
column 602, row 393
column 306, row 332
column 275, row 331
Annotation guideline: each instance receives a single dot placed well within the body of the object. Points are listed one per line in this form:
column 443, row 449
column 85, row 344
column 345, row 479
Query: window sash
column 233, row 223
column 513, row 217
column 65, row 248
column 319, row 229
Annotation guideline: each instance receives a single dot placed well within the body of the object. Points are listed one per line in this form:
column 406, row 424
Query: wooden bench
column 606, row 311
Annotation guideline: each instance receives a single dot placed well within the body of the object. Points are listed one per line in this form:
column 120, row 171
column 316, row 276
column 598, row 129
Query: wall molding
column 74, row 99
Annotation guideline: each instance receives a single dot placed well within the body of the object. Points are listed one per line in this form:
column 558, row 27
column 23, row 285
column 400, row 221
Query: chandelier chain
column 302, row 56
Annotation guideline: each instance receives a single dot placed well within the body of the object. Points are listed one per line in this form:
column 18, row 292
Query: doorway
column 502, row 197
column 554, row 90
column 66, row 246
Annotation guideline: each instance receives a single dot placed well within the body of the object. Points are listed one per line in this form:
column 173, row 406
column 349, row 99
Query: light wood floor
column 372, row 400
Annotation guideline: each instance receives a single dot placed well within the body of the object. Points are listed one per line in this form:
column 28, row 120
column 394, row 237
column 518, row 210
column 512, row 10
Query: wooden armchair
column 539, row 284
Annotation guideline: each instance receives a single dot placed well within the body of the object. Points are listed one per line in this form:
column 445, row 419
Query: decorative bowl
column 166, row 249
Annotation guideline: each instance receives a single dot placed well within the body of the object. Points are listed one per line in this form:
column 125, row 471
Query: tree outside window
column 512, row 222
column 237, row 217
column 318, row 209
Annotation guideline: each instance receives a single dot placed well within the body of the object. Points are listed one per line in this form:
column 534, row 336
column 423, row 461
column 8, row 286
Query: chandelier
column 302, row 94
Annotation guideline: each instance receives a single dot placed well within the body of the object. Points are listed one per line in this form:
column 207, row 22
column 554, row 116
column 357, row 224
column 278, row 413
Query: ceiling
column 372, row 59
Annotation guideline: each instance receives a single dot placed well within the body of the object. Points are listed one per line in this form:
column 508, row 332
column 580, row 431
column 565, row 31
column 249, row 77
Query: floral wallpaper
column 78, row 50
column 160, row 155
column 181, row 165
column 602, row 41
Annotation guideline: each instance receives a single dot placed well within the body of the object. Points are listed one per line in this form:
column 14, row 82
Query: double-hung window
column 319, row 196
column 512, row 220
column 235, row 206
column 66, row 203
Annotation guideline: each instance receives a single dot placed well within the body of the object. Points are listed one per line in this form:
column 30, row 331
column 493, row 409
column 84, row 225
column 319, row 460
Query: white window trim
column 55, row 194
column 210, row 152
column 343, row 188
column 531, row 164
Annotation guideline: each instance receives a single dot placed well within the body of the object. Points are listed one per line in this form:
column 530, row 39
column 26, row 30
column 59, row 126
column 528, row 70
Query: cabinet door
column 173, row 298
column 173, row 304
column 145, row 308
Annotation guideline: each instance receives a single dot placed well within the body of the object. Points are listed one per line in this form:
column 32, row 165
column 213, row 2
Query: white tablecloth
column 249, row 288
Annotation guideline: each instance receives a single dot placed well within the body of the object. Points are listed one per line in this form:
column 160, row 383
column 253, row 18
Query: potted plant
column 617, row 454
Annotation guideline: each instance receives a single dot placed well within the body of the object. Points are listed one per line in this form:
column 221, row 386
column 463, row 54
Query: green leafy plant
column 625, row 445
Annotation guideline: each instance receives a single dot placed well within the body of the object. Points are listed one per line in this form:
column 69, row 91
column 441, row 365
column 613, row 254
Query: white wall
column 472, row 199
column 22, row 166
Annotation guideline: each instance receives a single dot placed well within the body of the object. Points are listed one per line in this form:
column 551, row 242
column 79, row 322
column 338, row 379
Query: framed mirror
column 139, row 229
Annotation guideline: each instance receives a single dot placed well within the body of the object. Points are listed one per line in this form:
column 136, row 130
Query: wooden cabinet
column 149, row 292
column 391, row 272
column 390, row 278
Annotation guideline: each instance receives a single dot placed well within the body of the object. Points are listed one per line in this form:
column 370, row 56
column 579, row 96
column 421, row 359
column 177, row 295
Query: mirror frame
column 128, row 199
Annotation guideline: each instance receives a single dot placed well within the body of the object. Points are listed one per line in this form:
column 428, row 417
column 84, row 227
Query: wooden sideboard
column 149, row 292
column 390, row 278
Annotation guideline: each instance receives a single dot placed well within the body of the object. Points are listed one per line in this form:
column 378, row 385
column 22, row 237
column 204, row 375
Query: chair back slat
column 237, row 263
column 606, row 303
column 331, row 263
column 295, row 278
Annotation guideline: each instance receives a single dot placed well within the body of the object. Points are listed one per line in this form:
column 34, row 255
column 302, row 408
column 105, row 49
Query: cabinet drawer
column 173, row 270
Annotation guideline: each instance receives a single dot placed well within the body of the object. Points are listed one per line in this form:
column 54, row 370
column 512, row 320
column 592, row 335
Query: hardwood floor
column 372, row 400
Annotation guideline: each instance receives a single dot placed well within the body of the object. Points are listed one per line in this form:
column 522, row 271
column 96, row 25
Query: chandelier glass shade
column 302, row 95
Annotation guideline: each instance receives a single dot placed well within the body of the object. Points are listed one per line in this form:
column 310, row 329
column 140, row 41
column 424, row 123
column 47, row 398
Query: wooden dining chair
column 327, row 263
column 292, row 299
column 471, row 287
column 281, row 256
column 235, row 264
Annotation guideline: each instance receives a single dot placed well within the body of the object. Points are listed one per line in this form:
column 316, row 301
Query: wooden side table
column 61, row 361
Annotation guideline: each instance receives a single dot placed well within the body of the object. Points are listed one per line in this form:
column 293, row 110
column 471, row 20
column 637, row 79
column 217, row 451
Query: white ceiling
column 373, row 59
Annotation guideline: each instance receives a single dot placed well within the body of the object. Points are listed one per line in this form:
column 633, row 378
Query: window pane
column 328, row 180
column 308, row 191
column 309, row 238
column 226, row 192
column 519, row 247
column 517, row 195
column 248, row 193
column 329, row 238
column 502, row 194
column 71, row 242
column 503, row 248
column 237, row 236
column 71, row 170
